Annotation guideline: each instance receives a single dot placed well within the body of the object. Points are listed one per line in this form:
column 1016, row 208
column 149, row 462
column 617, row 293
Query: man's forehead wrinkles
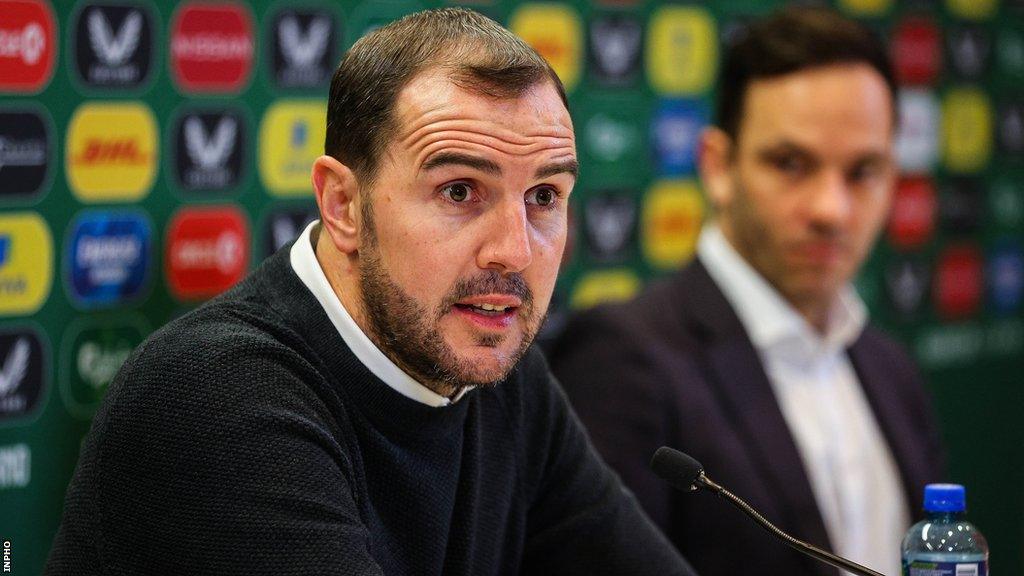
column 483, row 142
column 562, row 151
column 474, row 129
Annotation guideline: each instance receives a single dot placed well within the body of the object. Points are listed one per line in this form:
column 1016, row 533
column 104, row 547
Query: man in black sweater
column 367, row 401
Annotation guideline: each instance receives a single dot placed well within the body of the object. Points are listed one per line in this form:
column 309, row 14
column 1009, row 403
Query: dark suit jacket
column 675, row 367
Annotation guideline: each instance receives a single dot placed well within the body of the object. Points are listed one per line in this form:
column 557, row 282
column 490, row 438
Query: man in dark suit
column 756, row 359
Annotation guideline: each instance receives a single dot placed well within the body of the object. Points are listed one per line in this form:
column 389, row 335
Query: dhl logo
column 121, row 151
column 111, row 152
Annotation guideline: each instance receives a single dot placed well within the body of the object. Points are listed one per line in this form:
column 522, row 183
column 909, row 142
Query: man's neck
column 343, row 276
column 815, row 311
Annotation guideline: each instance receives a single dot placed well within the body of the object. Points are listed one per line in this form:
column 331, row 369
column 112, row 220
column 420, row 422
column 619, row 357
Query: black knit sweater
column 246, row 438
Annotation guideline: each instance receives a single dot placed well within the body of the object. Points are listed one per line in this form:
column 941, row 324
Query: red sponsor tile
column 957, row 285
column 916, row 50
column 28, row 45
column 207, row 251
column 914, row 208
column 212, row 47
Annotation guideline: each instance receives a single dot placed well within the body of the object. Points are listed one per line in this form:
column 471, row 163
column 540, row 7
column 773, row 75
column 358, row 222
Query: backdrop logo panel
column 866, row 7
column 916, row 51
column 114, row 45
column 961, row 205
column 284, row 225
column 303, row 47
column 958, row 282
column 676, row 133
column 1006, row 277
column 1006, row 203
column 26, row 263
column 671, row 219
column 605, row 286
column 1011, row 129
column 973, row 9
column 913, row 214
column 682, row 50
column 23, row 365
column 28, row 45
column 108, row 258
column 111, row 152
column 966, row 130
column 207, row 251
column 917, row 140
column 212, row 47
column 615, row 49
column 609, row 219
column 25, row 145
column 15, row 466
column 556, row 33
column 209, row 149
column 291, row 137
column 92, row 353
column 1010, row 52
column 970, row 51
column 906, row 282
column 612, row 135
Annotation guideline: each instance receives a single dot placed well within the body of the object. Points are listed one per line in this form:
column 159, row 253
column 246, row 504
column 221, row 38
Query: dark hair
column 479, row 54
column 790, row 40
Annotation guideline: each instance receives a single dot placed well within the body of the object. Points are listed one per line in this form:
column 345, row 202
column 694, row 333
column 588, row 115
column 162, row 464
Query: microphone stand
column 810, row 550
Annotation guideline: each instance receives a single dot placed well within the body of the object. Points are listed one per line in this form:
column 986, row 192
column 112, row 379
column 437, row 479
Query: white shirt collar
column 767, row 317
column 306, row 266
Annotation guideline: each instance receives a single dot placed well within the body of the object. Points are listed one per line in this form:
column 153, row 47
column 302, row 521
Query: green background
column 973, row 365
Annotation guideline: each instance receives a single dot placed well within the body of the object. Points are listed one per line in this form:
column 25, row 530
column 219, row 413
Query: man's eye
column 457, row 192
column 790, row 164
column 541, row 197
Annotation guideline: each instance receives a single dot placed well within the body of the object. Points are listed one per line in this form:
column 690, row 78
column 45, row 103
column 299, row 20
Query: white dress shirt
column 852, row 472
column 306, row 266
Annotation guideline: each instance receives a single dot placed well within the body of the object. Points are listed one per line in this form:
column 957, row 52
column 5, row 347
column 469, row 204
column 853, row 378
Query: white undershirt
column 308, row 269
column 851, row 469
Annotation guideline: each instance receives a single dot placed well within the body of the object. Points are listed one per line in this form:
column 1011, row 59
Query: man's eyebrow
column 456, row 159
column 783, row 147
column 571, row 167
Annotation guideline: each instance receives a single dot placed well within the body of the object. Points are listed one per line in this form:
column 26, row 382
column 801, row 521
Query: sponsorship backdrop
column 154, row 152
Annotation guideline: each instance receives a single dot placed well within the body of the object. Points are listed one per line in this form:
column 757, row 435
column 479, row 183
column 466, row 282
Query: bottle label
column 925, row 568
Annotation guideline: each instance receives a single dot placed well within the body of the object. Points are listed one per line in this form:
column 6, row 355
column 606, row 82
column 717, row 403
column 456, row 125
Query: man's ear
column 337, row 195
column 716, row 173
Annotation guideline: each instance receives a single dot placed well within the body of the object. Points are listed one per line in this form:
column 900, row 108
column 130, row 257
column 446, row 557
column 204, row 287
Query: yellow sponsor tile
column 972, row 9
column 672, row 215
column 291, row 138
column 556, row 32
column 605, row 286
column 682, row 50
column 26, row 263
column 966, row 130
column 111, row 152
column 866, row 7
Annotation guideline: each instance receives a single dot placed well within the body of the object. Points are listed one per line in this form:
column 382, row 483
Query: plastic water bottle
column 944, row 543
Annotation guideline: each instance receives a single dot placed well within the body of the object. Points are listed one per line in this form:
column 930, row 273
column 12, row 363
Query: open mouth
column 489, row 310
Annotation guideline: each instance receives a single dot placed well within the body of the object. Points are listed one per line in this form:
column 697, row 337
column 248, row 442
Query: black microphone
column 686, row 474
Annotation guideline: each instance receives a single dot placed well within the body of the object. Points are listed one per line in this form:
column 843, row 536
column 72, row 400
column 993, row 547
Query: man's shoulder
column 228, row 347
column 876, row 346
column 663, row 310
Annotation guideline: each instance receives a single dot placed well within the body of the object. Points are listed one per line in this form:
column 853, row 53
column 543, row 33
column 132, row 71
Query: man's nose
column 507, row 246
column 830, row 202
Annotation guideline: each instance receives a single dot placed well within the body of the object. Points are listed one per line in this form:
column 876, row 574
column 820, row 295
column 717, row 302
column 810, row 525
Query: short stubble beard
column 409, row 335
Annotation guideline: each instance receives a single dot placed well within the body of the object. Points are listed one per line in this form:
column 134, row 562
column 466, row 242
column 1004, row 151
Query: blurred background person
column 757, row 358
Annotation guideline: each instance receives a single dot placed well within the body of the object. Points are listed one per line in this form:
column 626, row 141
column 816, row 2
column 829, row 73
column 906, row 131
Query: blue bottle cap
column 944, row 498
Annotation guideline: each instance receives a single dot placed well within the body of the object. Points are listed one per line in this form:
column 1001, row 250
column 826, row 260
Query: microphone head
column 676, row 468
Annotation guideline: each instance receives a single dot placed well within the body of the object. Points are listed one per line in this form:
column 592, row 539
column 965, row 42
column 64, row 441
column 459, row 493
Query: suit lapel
column 732, row 362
